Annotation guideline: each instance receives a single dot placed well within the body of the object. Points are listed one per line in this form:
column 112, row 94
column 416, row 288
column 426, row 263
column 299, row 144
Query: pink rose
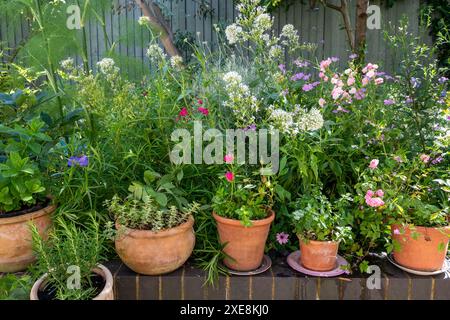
column 380, row 193
column 374, row 164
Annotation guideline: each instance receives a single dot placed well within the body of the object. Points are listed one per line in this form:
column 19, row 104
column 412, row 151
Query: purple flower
column 284, row 93
column 448, row 118
column 307, row 87
column 389, row 102
column 409, row 100
column 353, row 56
column 437, row 160
column 282, row 238
column 282, row 68
column 443, row 93
column 301, row 64
column 251, row 127
column 82, row 161
column 334, row 59
column 340, row 109
column 443, row 80
column 297, row 76
column 415, row 82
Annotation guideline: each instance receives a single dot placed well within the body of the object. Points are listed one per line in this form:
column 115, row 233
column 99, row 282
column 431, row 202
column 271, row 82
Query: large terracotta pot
column 425, row 251
column 16, row 252
column 244, row 245
column 318, row 255
column 106, row 294
column 154, row 253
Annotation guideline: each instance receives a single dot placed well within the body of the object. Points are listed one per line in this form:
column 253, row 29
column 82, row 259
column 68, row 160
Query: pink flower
column 183, row 112
column 379, row 193
column 351, row 81
column 365, row 81
column 425, row 158
column 370, row 74
column 374, row 164
column 373, row 202
column 325, row 64
column 322, row 102
column 228, row 158
column 229, row 176
column 379, row 81
column 353, row 90
column 282, row 238
column 321, row 75
column 396, row 231
column 204, row 111
column 200, row 101
column 398, row 159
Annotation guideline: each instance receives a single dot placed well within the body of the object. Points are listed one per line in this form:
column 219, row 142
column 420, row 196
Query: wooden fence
column 321, row 26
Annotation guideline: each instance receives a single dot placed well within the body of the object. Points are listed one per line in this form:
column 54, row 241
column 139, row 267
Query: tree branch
column 153, row 12
column 343, row 9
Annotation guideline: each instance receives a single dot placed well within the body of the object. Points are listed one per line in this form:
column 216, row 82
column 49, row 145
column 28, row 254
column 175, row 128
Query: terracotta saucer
column 445, row 267
column 265, row 265
column 294, row 262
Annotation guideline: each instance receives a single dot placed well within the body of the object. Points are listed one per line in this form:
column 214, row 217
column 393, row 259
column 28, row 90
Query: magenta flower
column 229, row 176
column 282, row 238
column 229, row 158
column 183, row 112
column 204, row 111
column 374, row 164
column 82, row 161
column 396, row 231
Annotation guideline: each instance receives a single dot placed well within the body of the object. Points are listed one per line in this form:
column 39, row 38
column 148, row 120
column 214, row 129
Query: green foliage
column 315, row 218
column 15, row 287
column 69, row 247
column 20, row 183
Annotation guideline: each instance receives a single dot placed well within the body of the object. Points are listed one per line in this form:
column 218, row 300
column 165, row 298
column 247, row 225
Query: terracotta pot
column 106, row 294
column 155, row 253
column 318, row 255
column 422, row 253
column 244, row 245
column 16, row 252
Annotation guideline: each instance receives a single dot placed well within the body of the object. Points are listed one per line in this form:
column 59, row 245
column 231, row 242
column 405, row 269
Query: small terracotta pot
column 106, row 294
column 318, row 255
column 155, row 253
column 422, row 253
column 244, row 245
column 16, row 252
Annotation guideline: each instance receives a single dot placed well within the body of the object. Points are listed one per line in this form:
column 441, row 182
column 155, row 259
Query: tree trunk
column 157, row 21
column 361, row 28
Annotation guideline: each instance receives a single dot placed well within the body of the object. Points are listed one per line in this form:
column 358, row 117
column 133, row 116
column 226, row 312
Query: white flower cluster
column 276, row 51
column 155, row 53
column 233, row 33
column 292, row 123
column 176, row 62
column 107, row 66
column 262, row 23
column 68, row 64
column 290, row 35
column 243, row 104
column 143, row 20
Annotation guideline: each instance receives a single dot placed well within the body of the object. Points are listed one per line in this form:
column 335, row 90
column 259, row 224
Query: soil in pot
column 244, row 245
column 27, row 209
column 48, row 292
column 318, row 255
column 425, row 251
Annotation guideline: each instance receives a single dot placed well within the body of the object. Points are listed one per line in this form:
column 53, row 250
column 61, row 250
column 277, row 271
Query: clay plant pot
column 16, row 252
column 425, row 251
column 107, row 292
column 155, row 253
column 318, row 255
column 244, row 245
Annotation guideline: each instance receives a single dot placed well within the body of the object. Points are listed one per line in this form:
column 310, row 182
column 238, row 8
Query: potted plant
column 153, row 235
column 22, row 199
column 242, row 209
column 68, row 264
column 320, row 228
column 420, row 234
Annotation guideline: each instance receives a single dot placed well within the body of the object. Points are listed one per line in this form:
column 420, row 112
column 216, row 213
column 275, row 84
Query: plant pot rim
column 317, row 241
column 29, row 216
column 100, row 270
column 410, row 226
column 255, row 223
column 136, row 233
